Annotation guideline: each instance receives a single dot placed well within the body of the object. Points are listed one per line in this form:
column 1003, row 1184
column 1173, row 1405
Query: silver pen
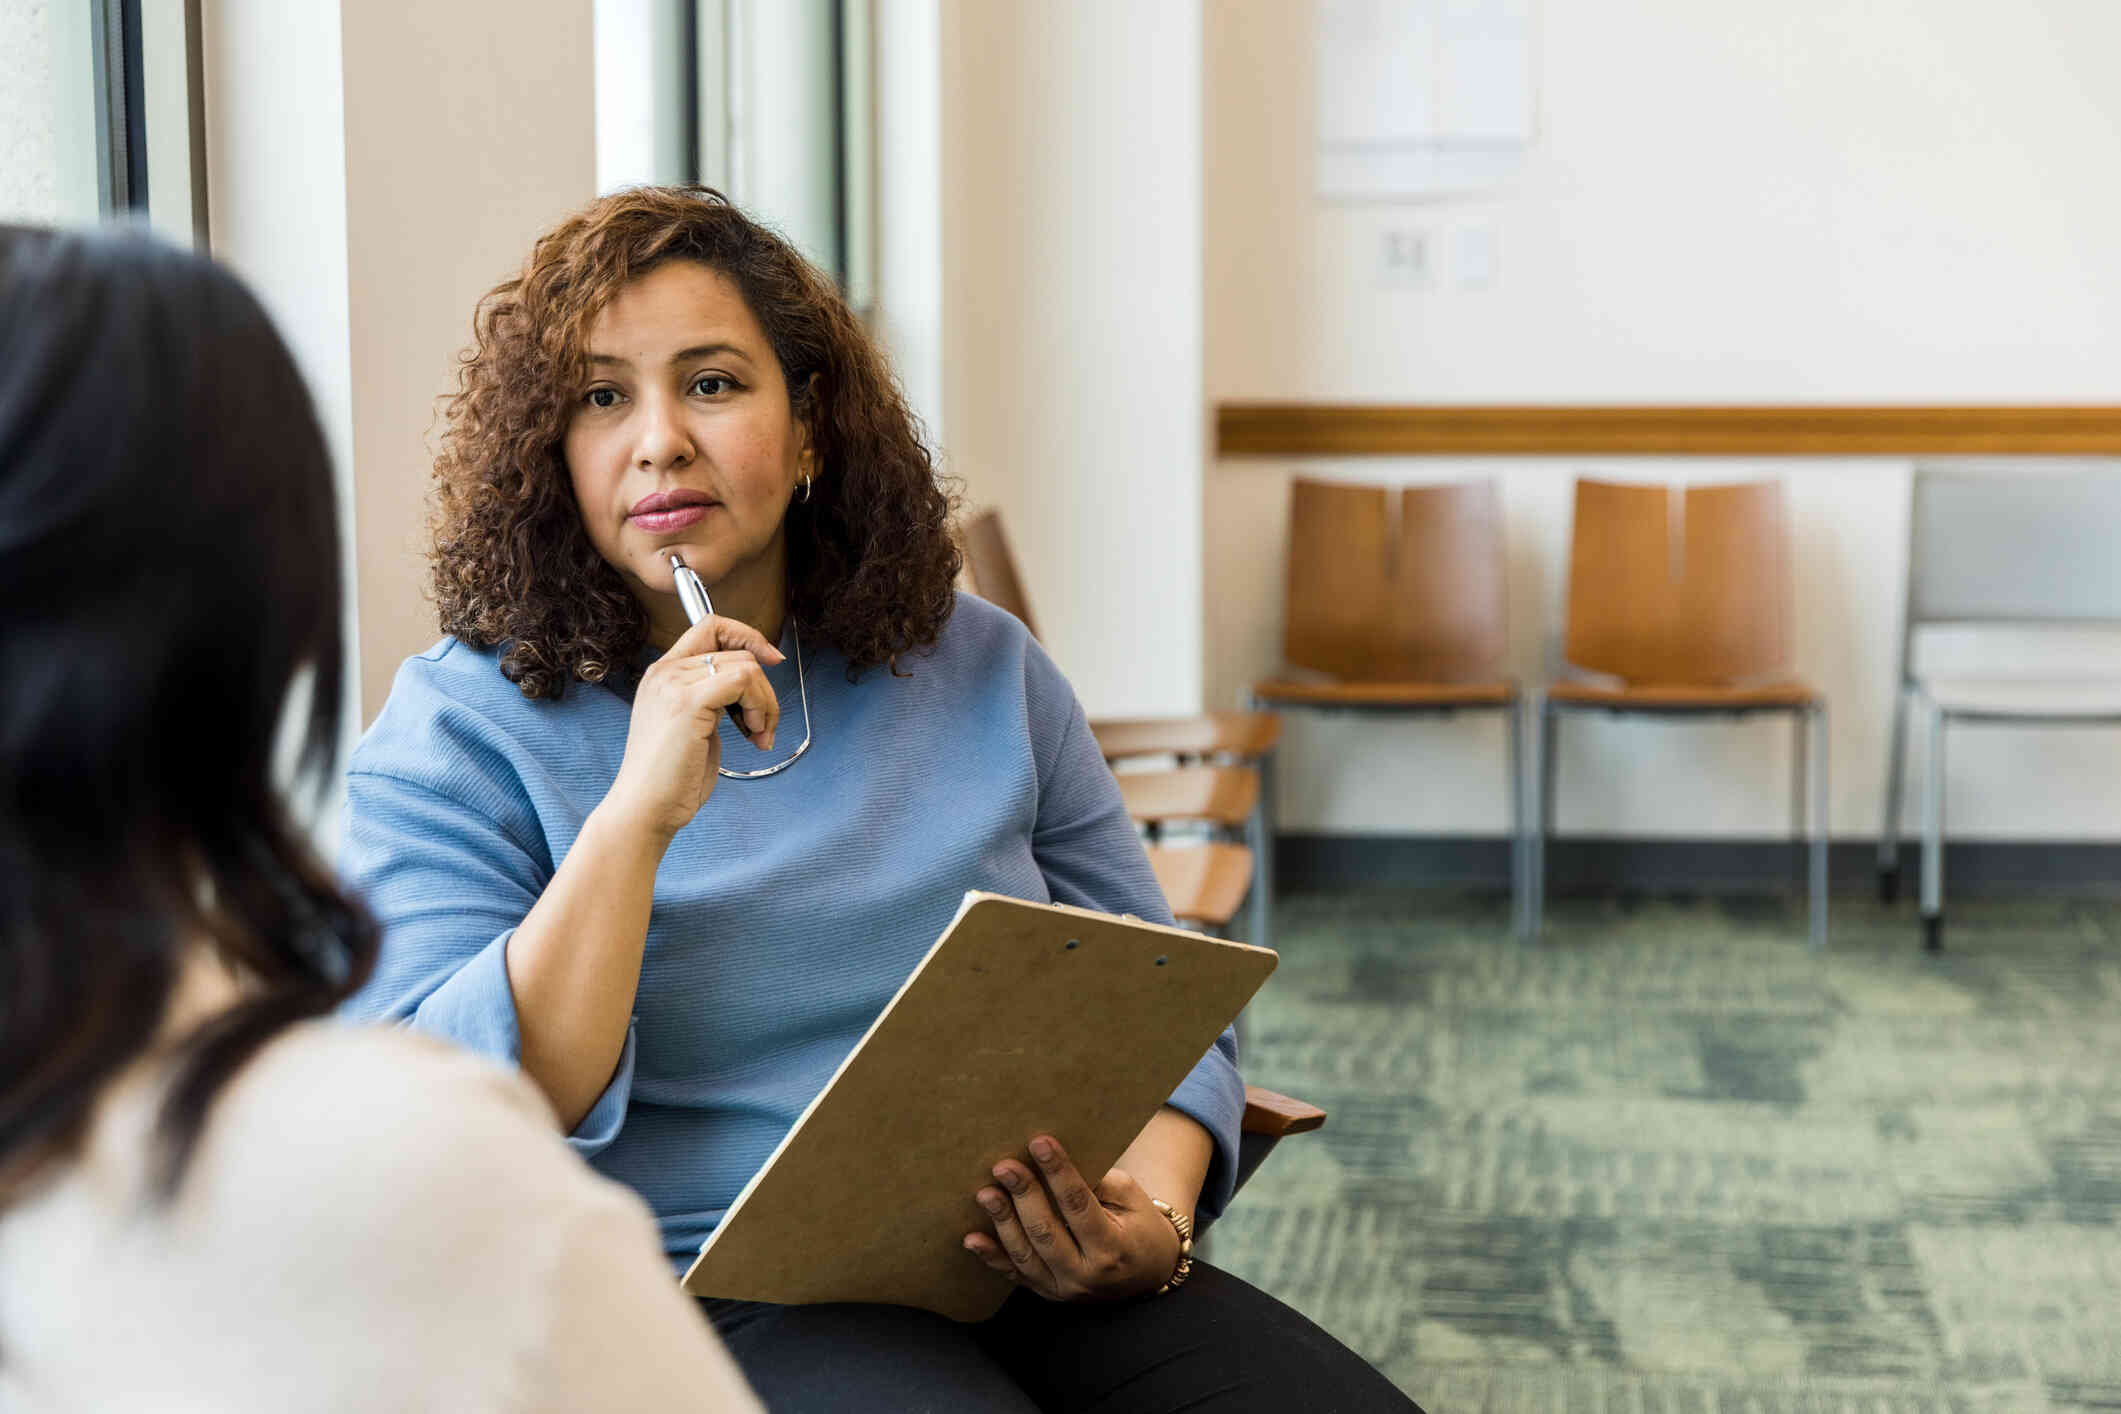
column 692, row 593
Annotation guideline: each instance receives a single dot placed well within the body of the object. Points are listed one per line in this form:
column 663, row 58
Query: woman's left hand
column 1067, row 1241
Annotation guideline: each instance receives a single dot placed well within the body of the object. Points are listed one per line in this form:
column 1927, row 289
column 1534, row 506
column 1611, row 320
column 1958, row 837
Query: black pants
column 1214, row 1346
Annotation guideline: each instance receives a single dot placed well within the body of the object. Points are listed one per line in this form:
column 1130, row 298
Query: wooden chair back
column 1671, row 588
column 1734, row 583
column 993, row 568
column 1621, row 602
column 1425, row 605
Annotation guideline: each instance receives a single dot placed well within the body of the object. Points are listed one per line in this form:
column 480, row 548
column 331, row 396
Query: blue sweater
column 786, row 915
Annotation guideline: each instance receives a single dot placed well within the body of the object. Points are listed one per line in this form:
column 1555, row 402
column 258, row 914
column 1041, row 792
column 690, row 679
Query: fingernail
column 1009, row 1180
column 1042, row 1150
column 992, row 1202
column 970, row 1246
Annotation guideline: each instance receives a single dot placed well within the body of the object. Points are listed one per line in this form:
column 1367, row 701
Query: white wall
column 276, row 211
column 1071, row 249
column 276, row 196
column 1899, row 200
column 30, row 97
column 784, row 128
column 1809, row 201
column 909, row 201
column 644, row 81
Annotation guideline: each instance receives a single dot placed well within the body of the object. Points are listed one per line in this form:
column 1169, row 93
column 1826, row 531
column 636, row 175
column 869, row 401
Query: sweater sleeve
column 449, row 883
column 1091, row 857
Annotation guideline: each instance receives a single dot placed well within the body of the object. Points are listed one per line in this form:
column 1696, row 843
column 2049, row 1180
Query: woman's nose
column 663, row 440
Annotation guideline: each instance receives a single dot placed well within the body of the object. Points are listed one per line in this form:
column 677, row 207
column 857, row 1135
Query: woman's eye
column 708, row 385
column 602, row 397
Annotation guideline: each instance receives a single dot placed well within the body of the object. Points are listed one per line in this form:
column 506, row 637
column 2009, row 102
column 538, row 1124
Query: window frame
column 132, row 115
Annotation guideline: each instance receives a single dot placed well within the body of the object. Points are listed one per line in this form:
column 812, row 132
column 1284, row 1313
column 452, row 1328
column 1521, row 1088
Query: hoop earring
column 806, row 490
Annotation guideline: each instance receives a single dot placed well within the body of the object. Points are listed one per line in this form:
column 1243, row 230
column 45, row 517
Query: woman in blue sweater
column 674, row 871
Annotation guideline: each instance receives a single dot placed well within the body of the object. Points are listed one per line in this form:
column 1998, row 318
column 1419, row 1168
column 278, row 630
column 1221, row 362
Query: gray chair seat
column 2026, row 699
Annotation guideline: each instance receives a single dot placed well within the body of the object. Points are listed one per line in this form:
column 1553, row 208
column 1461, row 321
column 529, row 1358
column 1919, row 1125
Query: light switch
column 1473, row 257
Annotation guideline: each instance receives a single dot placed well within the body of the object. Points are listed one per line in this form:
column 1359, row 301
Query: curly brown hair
column 871, row 558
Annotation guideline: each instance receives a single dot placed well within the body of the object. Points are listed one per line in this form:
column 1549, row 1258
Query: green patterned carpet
column 1671, row 1161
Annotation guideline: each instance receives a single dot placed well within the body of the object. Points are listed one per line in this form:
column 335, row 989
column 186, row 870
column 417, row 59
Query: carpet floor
column 1670, row 1160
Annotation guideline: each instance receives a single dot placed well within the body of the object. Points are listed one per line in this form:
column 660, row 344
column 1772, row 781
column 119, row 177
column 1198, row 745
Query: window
column 769, row 101
column 103, row 113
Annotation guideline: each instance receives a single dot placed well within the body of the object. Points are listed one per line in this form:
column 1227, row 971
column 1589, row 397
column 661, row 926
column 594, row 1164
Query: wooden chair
column 1224, row 798
column 2003, row 550
column 1204, row 883
column 1410, row 623
column 1686, row 618
column 1221, row 754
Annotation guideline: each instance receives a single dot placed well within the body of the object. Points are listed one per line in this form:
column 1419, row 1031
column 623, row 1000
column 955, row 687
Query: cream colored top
column 371, row 1222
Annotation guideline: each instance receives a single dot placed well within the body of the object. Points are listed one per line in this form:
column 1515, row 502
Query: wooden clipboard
column 1023, row 1019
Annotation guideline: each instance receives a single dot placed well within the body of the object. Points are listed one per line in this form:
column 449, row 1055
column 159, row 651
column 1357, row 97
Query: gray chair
column 2014, row 549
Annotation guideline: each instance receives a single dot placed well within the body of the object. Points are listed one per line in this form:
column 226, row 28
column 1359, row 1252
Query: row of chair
column 1679, row 605
column 1417, row 623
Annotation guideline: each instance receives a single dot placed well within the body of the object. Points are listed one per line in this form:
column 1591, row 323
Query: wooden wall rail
column 1334, row 429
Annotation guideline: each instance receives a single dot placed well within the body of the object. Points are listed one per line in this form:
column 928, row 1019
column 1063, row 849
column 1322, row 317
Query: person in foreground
column 209, row 1197
column 675, row 870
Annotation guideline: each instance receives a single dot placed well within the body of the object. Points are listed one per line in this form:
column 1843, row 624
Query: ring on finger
column 711, row 668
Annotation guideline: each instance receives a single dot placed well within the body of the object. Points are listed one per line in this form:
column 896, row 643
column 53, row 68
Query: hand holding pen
column 673, row 746
column 692, row 594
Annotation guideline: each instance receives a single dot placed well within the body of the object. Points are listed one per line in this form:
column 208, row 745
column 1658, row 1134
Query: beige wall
column 1071, row 323
column 1809, row 201
column 469, row 129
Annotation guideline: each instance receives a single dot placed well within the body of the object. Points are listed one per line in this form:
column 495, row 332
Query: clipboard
column 1023, row 1019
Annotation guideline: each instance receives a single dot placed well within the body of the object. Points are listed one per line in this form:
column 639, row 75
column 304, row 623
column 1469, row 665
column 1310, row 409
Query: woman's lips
column 676, row 518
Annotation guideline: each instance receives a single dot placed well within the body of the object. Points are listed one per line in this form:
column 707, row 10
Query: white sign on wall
column 1419, row 98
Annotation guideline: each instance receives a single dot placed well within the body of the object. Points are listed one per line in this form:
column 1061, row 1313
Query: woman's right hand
column 672, row 744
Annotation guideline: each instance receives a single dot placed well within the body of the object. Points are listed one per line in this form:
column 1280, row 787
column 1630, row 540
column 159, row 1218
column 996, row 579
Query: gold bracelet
column 1183, row 1226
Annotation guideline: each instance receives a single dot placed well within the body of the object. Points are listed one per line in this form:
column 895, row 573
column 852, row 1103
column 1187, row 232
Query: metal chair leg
column 1513, row 724
column 1895, row 778
column 1933, row 835
column 1544, row 827
column 1800, row 772
column 1821, row 836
